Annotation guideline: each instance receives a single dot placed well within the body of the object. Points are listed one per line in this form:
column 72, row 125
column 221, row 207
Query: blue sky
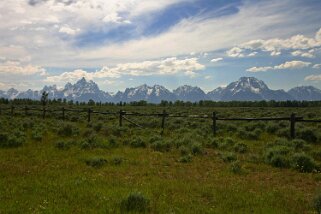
column 119, row 44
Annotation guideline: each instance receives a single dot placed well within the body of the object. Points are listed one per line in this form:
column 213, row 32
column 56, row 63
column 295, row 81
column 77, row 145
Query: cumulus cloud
column 16, row 68
column 316, row 78
column 308, row 54
column 168, row 66
column 286, row 65
column 302, row 46
column 68, row 30
column 316, row 66
column 217, row 59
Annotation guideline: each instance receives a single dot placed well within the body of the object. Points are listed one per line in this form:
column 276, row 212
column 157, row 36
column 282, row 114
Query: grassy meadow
column 72, row 166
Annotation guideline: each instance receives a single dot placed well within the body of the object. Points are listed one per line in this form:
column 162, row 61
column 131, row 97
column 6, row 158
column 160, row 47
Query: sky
column 120, row 44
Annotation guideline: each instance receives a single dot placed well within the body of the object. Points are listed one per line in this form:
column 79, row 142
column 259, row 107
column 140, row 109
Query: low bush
column 303, row 162
column 135, row 202
column 228, row 157
column 68, row 130
column 13, row 141
column 184, row 150
column 236, row 167
column 196, row 148
column 317, row 203
column 272, row 128
column 161, row 146
column 308, row 135
column 137, row 143
column 117, row 160
column 277, row 156
column 98, row 126
column 186, row 158
column 96, row 162
column 240, row 148
column 62, row 145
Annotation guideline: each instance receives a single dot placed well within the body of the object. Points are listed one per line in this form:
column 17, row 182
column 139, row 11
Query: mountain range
column 245, row 89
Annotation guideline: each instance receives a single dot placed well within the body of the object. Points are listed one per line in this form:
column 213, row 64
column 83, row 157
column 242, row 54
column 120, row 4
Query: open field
column 71, row 166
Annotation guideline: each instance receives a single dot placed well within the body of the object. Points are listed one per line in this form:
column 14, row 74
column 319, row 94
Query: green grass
column 58, row 175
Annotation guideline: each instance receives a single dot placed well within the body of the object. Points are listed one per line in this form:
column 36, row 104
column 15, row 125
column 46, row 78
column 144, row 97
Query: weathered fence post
column 163, row 120
column 43, row 112
column 26, row 110
column 89, row 115
column 214, row 123
column 63, row 113
column 292, row 129
column 12, row 110
column 121, row 118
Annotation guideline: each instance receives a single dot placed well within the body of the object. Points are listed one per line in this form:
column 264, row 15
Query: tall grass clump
column 317, row 203
column 96, row 162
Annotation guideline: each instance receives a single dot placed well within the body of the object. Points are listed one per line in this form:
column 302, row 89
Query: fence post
column 12, row 110
column 292, row 129
column 44, row 112
column 26, row 110
column 89, row 114
column 120, row 118
column 63, row 113
column 214, row 123
column 163, row 120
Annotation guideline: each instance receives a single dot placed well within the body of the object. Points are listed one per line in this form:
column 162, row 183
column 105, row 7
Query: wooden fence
column 293, row 119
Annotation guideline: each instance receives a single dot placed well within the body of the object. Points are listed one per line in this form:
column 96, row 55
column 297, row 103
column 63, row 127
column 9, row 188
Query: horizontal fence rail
column 293, row 119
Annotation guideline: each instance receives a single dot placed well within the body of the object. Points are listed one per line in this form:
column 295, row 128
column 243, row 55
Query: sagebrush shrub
column 98, row 126
column 135, row 202
column 62, row 145
column 96, row 162
column 236, row 167
column 161, row 146
column 68, row 130
column 186, row 158
column 228, row 157
column 184, row 150
column 240, row 148
column 277, row 156
column 196, row 148
column 303, row 162
column 308, row 135
column 137, row 143
column 317, row 203
column 117, row 160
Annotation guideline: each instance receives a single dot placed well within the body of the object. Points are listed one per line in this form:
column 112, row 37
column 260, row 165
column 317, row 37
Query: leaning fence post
column 120, row 118
column 214, row 123
column 63, row 113
column 163, row 120
column 89, row 114
column 292, row 129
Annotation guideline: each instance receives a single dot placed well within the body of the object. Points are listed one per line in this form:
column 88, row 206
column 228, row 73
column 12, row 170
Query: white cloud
column 208, row 77
column 287, row 65
column 16, row 68
column 316, row 78
column 168, row 66
column 303, row 54
column 316, row 66
column 217, row 59
column 303, row 46
column 235, row 52
column 68, row 30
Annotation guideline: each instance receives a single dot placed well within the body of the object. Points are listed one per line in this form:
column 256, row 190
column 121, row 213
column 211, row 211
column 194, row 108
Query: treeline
column 203, row 103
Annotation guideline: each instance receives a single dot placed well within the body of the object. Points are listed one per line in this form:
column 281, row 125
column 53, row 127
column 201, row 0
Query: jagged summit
column 244, row 89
